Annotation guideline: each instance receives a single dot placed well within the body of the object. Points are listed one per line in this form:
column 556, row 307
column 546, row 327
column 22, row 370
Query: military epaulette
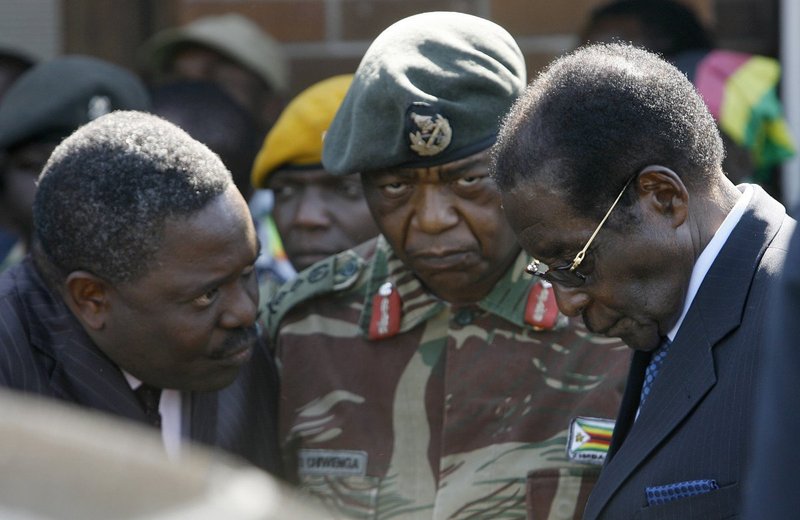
column 335, row 273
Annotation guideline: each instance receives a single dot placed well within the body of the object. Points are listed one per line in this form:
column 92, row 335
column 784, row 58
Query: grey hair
column 595, row 117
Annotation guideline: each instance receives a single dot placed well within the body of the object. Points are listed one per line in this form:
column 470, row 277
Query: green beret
column 55, row 97
column 431, row 89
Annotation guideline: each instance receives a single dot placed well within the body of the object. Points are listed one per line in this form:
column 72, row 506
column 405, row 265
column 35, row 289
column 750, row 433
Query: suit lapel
column 689, row 371
column 203, row 418
column 686, row 376
column 630, row 401
column 85, row 376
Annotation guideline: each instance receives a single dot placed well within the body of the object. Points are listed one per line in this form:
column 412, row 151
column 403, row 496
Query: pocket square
column 669, row 492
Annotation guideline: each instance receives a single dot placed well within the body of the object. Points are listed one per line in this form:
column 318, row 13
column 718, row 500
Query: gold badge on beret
column 431, row 133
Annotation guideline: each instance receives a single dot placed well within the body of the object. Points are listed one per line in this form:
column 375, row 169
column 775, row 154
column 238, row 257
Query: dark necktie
column 150, row 396
column 652, row 369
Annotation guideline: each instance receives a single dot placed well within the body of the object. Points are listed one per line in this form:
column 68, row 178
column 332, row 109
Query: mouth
column 442, row 261
column 237, row 348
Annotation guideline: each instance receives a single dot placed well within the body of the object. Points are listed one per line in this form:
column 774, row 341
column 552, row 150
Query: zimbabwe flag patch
column 589, row 439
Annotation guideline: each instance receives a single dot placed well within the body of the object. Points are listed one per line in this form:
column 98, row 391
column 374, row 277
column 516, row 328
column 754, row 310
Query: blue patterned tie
column 652, row 369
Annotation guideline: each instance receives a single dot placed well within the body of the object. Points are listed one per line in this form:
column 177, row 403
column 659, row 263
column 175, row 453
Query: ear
column 87, row 296
column 662, row 191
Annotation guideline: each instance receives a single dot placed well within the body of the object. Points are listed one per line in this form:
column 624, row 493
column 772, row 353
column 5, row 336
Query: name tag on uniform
column 337, row 463
column 589, row 439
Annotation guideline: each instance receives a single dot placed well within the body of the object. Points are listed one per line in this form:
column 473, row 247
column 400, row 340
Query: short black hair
column 107, row 190
column 669, row 27
column 595, row 117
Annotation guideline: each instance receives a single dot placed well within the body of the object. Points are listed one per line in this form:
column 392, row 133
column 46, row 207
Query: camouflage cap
column 55, row 97
column 232, row 35
column 431, row 89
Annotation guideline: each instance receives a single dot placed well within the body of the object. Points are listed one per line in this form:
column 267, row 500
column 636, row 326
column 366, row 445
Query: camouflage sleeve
column 334, row 273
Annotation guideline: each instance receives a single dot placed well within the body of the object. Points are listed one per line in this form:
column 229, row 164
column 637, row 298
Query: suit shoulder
column 336, row 274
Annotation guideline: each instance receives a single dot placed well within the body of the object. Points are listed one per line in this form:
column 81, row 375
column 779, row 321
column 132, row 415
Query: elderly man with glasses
column 610, row 171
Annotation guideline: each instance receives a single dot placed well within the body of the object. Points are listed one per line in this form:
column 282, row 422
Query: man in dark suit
column 139, row 298
column 610, row 168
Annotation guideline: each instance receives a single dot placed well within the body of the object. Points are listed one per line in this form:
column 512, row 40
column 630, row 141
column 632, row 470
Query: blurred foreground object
column 59, row 461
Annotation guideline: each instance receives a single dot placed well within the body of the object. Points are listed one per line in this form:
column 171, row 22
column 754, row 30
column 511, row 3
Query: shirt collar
column 133, row 382
column 709, row 254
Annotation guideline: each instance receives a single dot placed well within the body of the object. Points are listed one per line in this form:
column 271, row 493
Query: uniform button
column 349, row 268
column 464, row 317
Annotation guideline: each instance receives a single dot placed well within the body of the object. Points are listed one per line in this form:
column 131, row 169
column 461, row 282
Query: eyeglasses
column 566, row 275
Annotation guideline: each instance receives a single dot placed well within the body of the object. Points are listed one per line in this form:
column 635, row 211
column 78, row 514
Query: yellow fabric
column 752, row 80
column 296, row 137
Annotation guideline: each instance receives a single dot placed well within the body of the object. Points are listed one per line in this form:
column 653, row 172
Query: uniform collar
column 507, row 299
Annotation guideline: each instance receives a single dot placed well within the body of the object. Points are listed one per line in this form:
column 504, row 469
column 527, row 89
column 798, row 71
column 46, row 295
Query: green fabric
column 767, row 136
column 457, row 67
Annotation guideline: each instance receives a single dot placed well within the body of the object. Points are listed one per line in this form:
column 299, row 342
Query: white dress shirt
column 170, row 409
column 709, row 254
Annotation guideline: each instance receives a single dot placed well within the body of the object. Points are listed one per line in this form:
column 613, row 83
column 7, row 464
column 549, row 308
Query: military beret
column 296, row 137
column 431, row 89
column 233, row 36
column 55, row 97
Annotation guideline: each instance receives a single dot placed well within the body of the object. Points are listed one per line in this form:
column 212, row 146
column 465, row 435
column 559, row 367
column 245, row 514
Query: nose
column 433, row 210
column 571, row 300
column 311, row 212
column 241, row 305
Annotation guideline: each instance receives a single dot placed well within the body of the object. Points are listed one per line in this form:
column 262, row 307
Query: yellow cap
column 296, row 137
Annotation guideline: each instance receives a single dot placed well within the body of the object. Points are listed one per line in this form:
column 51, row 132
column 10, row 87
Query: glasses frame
column 533, row 267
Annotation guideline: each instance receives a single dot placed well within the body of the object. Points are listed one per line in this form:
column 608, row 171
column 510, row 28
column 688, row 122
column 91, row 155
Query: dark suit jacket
column 772, row 490
column 44, row 350
column 695, row 424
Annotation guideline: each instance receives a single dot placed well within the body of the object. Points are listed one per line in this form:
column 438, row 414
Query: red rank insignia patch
column 541, row 311
column 386, row 307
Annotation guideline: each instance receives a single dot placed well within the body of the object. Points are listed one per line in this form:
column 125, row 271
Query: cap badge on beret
column 430, row 131
column 98, row 106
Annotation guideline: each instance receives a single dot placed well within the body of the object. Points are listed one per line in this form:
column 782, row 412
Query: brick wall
column 327, row 37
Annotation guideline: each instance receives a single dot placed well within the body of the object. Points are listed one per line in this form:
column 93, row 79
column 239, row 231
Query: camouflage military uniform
column 446, row 417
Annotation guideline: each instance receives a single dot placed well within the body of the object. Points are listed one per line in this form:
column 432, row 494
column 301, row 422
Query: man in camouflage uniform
column 424, row 374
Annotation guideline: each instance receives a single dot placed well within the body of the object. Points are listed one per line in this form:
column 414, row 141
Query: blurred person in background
column 12, row 65
column 316, row 214
column 230, row 50
column 740, row 89
column 47, row 103
column 207, row 113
